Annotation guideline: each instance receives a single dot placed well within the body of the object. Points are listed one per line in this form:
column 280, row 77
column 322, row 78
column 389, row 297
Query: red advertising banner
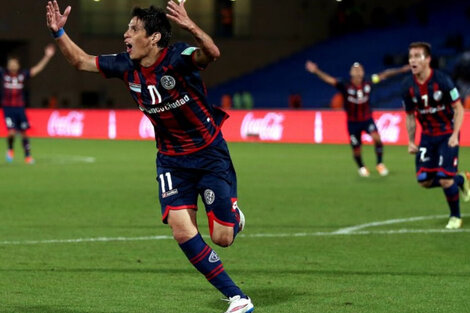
column 257, row 125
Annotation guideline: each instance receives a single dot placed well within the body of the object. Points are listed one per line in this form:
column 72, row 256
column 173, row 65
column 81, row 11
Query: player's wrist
column 58, row 33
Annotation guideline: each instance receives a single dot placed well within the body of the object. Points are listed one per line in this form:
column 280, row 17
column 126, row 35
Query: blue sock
column 208, row 263
column 458, row 179
column 379, row 152
column 26, row 147
column 452, row 196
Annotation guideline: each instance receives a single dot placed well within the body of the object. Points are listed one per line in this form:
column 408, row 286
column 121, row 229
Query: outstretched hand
column 55, row 20
column 177, row 13
column 49, row 50
column 311, row 67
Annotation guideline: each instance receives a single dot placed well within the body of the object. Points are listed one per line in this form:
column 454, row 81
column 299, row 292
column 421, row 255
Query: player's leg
column 23, row 127
column 11, row 132
column 378, row 146
column 446, row 173
column 178, row 197
column 354, row 130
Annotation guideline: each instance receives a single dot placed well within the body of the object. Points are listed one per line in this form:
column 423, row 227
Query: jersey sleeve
column 26, row 74
column 114, row 65
column 449, row 89
column 341, row 86
column 407, row 98
column 183, row 57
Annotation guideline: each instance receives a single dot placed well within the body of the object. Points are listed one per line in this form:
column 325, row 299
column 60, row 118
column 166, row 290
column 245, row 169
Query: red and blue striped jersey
column 356, row 100
column 431, row 102
column 172, row 95
column 12, row 89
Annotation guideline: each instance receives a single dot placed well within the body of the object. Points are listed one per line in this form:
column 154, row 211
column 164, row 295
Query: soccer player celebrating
column 193, row 157
column 356, row 94
column 432, row 97
column 13, row 100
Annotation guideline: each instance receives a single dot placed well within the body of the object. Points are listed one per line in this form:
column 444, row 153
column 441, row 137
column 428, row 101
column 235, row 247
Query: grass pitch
column 79, row 234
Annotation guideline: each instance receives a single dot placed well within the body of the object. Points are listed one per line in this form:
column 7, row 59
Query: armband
column 58, row 33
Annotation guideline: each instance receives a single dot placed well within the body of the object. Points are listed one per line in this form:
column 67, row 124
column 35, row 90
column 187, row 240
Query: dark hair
column 13, row 57
column 155, row 21
column 421, row 44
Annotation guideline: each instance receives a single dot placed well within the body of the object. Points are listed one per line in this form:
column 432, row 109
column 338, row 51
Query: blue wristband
column 58, row 33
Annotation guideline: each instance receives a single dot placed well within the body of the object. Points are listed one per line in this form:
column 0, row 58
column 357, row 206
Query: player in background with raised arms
column 431, row 97
column 193, row 158
column 356, row 94
column 13, row 100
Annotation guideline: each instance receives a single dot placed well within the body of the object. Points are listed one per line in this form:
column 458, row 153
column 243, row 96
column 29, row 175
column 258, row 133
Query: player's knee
column 223, row 239
column 425, row 183
column 446, row 183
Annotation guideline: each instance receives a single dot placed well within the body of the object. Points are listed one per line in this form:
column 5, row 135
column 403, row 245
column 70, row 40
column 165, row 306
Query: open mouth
column 128, row 48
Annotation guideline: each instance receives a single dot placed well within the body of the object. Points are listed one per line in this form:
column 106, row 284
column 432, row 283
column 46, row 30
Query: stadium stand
column 376, row 49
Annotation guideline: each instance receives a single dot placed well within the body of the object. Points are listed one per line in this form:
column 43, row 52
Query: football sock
column 26, row 147
column 379, row 152
column 208, row 263
column 458, row 179
column 10, row 140
column 358, row 157
column 452, row 196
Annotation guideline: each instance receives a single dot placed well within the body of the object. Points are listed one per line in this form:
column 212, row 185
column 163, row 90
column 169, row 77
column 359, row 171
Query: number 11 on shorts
column 163, row 183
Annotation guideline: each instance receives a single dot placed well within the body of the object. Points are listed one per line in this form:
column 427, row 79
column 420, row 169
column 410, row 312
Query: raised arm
column 73, row 53
column 313, row 68
column 208, row 51
column 390, row 73
column 49, row 52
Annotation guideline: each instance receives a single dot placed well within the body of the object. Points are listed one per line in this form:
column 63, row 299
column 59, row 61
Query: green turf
column 283, row 189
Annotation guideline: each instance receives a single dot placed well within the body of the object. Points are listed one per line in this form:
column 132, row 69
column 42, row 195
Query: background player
column 433, row 98
column 13, row 100
column 193, row 157
column 356, row 94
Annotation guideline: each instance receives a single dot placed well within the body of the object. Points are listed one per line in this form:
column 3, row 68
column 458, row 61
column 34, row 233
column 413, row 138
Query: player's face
column 138, row 44
column 357, row 73
column 418, row 60
column 13, row 65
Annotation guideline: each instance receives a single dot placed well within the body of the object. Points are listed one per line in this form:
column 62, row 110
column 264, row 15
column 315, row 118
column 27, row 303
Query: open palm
column 55, row 20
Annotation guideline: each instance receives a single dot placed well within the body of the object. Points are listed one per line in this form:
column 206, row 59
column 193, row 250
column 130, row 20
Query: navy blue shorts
column 355, row 130
column 15, row 118
column 435, row 157
column 208, row 173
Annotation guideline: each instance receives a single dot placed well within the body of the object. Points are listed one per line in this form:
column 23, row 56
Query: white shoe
column 238, row 304
column 364, row 172
column 382, row 169
column 241, row 224
column 454, row 223
column 465, row 186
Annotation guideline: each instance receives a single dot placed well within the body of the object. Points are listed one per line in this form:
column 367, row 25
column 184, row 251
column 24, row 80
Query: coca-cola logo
column 388, row 125
column 70, row 125
column 268, row 127
column 146, row 129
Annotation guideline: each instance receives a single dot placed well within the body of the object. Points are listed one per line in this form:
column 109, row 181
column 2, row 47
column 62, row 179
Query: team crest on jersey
column 168, row 82
column 209, row 196
column 437, row 95
column 367, row 88
column 351, row 91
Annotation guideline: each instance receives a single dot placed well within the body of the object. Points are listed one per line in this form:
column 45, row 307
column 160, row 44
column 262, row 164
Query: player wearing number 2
column 193, row 157
column 432, row 97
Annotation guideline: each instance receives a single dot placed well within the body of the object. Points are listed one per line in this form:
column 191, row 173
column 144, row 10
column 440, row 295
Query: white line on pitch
column 265, row 235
